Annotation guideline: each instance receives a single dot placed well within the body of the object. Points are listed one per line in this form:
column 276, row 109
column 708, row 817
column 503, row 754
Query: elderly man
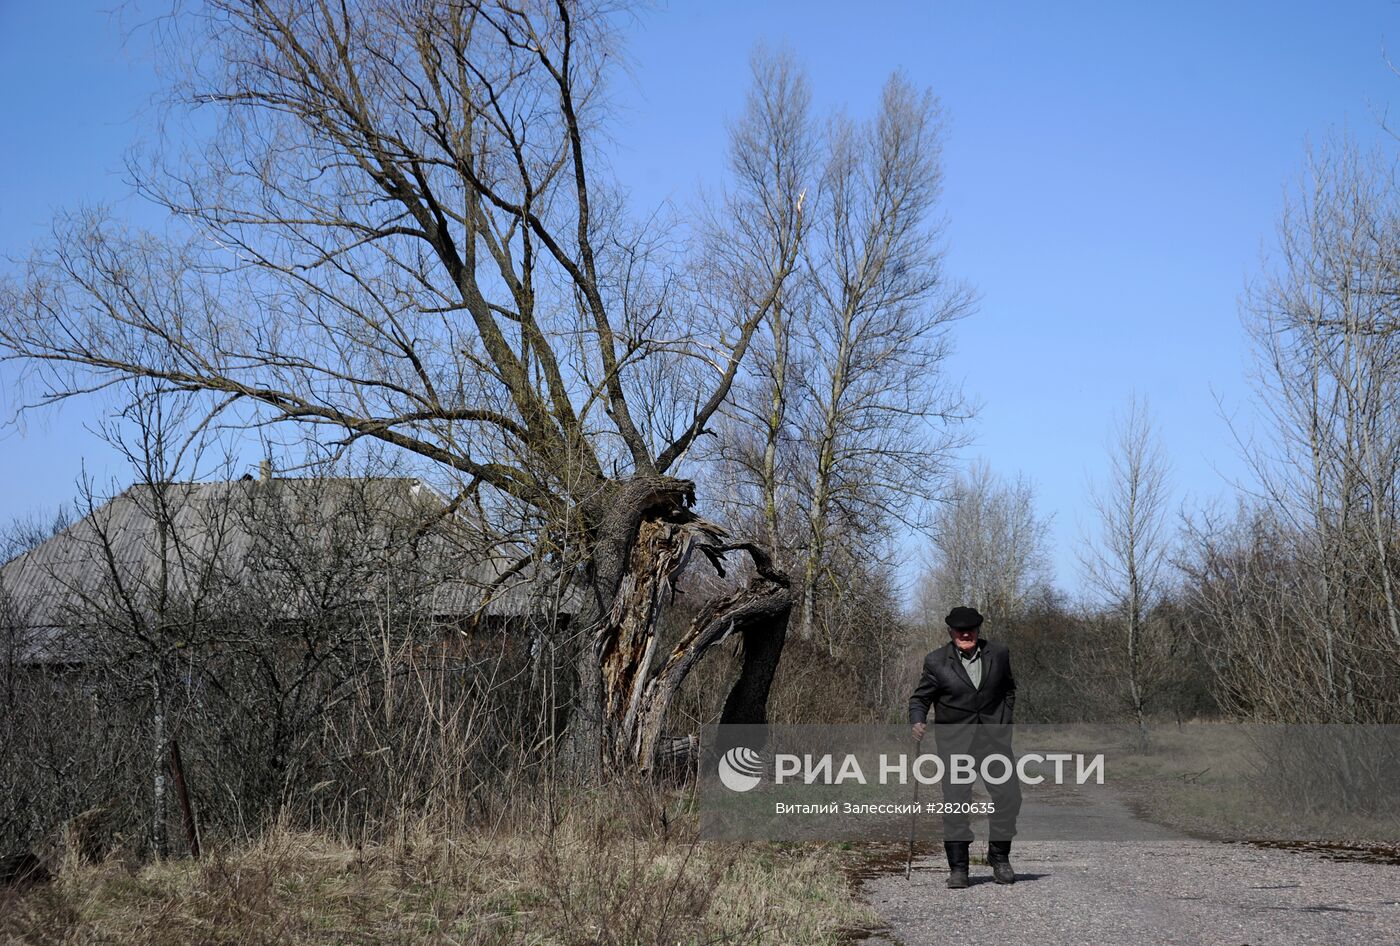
column 969, row 685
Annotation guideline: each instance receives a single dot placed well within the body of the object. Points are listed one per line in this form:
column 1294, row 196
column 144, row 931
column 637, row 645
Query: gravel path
column 1161, row 891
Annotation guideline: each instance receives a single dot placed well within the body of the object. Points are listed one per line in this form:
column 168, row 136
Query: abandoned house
column 158, row 559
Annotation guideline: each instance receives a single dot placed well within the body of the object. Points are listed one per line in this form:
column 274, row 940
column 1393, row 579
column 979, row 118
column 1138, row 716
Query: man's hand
column 919, row 730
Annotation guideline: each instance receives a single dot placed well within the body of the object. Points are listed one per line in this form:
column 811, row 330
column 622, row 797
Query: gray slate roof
column 45, row 592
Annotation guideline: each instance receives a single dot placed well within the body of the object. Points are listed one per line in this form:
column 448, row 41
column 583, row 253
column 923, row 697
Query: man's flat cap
column 961, row 617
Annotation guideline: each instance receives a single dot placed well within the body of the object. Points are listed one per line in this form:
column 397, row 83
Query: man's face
column 964, row 638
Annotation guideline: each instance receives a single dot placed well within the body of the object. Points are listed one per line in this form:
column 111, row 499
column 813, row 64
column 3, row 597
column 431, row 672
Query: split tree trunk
column 644, row 535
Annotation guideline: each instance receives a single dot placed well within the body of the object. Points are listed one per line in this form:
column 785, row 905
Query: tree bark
column 645, row 534
column 182, row 793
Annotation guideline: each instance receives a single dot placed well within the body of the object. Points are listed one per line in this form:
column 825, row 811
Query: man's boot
column 999, row 856
column 957, row 863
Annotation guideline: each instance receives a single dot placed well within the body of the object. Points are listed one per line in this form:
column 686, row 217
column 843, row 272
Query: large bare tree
column 883, row 415
column 398, row 231
column 762, row 457
column 847, row 417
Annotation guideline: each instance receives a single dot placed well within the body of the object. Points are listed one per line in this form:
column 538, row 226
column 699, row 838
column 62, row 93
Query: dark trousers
column 978, row 740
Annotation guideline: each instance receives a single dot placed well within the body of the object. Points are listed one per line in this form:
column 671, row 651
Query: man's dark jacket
column 946, row 687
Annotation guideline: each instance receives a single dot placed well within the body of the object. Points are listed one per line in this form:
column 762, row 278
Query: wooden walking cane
column 913, row 815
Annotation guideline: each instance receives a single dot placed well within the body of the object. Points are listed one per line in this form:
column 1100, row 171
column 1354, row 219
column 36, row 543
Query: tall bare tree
column 758, row 442
column 1125, row 562
column 882, row 414
column 399, row 233
column 848, row 395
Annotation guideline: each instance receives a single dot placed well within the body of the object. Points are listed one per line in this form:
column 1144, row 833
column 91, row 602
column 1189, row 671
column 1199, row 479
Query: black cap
column 961, row 617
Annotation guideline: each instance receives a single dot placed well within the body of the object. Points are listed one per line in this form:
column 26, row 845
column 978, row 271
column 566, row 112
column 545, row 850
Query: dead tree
column 399, row 233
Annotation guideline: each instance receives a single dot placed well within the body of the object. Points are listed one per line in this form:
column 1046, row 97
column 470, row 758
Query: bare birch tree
column 147, row 614
column 399, row 232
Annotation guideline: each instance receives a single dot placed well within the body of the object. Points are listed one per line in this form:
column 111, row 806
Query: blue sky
column 1113, row 174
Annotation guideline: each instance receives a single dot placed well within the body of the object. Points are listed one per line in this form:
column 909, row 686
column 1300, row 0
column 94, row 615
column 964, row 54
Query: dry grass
column 613, row 869
column 1213, row 780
